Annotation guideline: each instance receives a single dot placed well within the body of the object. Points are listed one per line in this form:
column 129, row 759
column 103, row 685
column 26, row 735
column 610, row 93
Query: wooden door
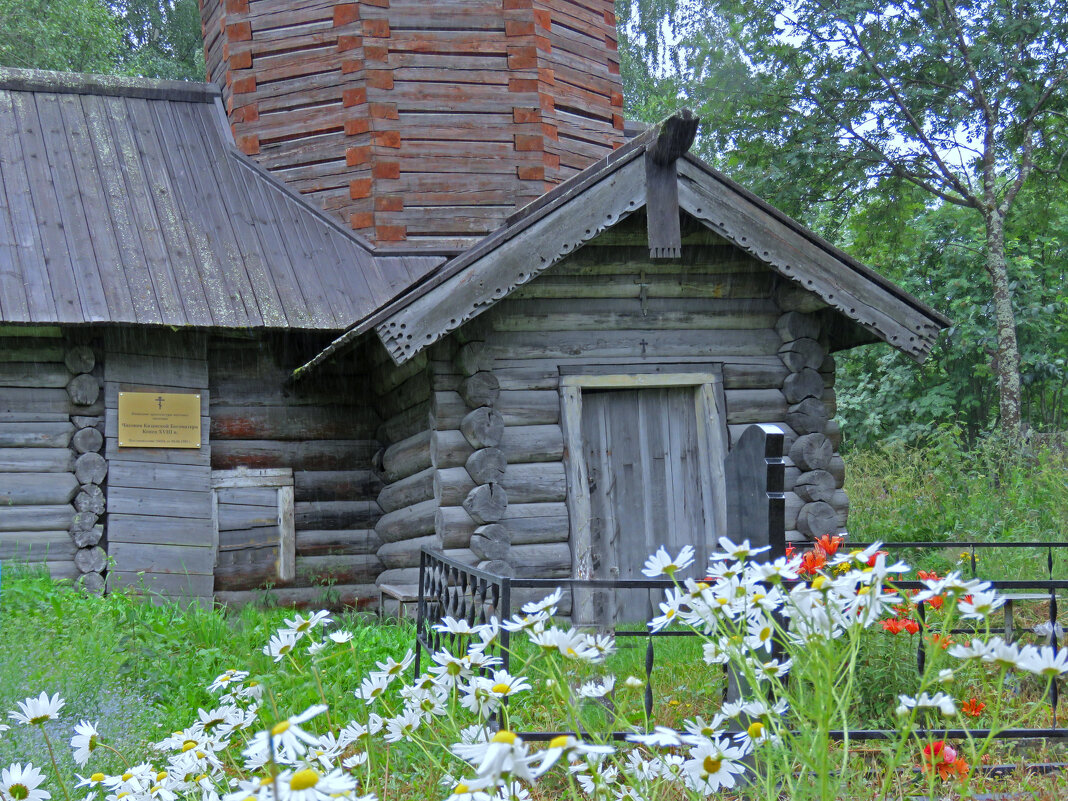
column 650, row 474
column 253, row 514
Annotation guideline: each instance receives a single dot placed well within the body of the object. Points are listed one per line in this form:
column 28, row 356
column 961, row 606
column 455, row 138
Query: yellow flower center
column 126, row 776
column 161, row 775
column 500, row 688
column 755, row 730
column 280, row 728
column 460, row 789
column 711, row 765
column 504, row 736
column 818, row 582
column 560, row 741
column 765, row 633
column 97, row 777
column 189, row 745
column 303, row 779
column 123, row 794
column 19, row 791
column 266, row 780
column 454, row 668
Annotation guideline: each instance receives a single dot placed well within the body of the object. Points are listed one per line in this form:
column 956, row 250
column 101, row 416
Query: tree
column 71, row 35
column 965, row 101
column 149, row 38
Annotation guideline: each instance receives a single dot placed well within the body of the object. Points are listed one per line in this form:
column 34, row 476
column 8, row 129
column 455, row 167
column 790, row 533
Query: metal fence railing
column 449, row 587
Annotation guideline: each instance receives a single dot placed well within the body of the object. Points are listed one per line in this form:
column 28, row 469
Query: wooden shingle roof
column 125, row 201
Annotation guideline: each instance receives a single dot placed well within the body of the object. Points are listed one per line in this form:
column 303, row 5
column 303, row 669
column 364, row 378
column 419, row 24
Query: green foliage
column 149, row 38
column 74, row 35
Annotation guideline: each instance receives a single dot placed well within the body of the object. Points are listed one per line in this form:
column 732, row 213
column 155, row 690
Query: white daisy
column 712, row 766
column 393, row 668
column 282, row 643
column 504, row 755
column 341, row 636
column 21, row 783
column 940, row 701
column 301, row 625
column 662, row 563
column 450, row 625
column 597, row 689
column 85, row 740
column 307, row 784
column 36, row 711
column 550, row 601
column 1046, row 662
column 574, row 748
column 738, row 552
column 286, row 738
column 227, row 678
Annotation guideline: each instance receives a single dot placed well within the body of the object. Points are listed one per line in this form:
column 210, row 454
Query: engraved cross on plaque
column 159, row 402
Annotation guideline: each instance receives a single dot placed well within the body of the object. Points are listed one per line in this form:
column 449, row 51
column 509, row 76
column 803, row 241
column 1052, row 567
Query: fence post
column 756, row 504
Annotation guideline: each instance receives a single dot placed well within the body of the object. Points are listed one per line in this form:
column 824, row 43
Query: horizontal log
column 455, row 526
column 187, row 588
column 79, row 359
column 817, row 519
column 836, row 467
column 16, row 400
column 756, row 375
column 452, row 485
column 347, row 569
column 834, row 433
column 525, row 444
column 471, row 358
column 801, row 354
column 486, row 503
column 247, row 569
column 808, row 417
column 35, row 435
column 136, row 557
column 408, row 491
column 405, row 553
column 36, row 460
column 811, row 452
column 335, row 596
column 25, row 374
column 389, row 376
column 91, row 559
column 486, row 466
column 37, row 489
column 549, row 560
column 84, row 390
column 539, row 482
column 149, row 529
column 462, row 555
column 797, row 325
column 335, row 485
column 400, row 576
column 406, row 523
column 238, row 517
column 806, row 383
column 52, row 517
column 491, row 542
column 610, row 344
column 90, row 498
column 166, row 476
column 411, row 393
column 815, row 485
column 335, row 514
column 483, row 428
column 790, row 296
column 90, row 468
column 480, row 389
column 723, row 287
column 337, row 541
column 311, row 455
column 159, row 502
column 529, row 407
column 542, row 528
column 36, row 546
column 616, row 314
column 87, row 440
column 451, row 448
column 248, row 496
column 406, row 457
column 754, row 405
column 405, row 424
column 89, row 537
column 291, row 423
column 447, row 410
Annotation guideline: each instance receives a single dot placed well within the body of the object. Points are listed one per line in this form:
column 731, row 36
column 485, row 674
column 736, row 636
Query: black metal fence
column 450, row 588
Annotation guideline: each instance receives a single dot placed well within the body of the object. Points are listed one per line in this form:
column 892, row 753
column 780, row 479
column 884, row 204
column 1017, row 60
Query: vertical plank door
column 648, row 487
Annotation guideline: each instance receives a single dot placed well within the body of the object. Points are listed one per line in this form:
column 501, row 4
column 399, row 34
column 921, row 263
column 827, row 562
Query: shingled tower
column 418, row 123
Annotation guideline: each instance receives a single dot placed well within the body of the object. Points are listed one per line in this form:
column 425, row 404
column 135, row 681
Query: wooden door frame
column 710, row 408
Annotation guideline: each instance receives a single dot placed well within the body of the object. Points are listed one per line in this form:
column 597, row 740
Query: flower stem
column 55, row 767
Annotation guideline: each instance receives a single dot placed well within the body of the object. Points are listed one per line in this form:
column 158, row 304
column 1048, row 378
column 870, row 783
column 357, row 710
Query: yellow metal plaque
column 159, row 420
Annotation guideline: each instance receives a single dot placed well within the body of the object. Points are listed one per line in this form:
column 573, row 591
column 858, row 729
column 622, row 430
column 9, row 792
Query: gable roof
column 547, row 230
column 125, row 201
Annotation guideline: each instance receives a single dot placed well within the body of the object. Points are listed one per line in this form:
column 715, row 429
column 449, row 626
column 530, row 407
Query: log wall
column 159, row 527
column 51, row 413
column 410, row 121
column 324, row 429
column 609, row 309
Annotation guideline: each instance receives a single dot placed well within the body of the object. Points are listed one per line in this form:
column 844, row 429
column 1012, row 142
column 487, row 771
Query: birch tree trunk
column 1007, row 357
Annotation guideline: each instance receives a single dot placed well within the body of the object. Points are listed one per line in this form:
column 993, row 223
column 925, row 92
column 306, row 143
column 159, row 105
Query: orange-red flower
column 936, row 602
column 943, row 641
column 928, row 575
column 911, row 626
column 829, row 544
column 812, row 561
column 974, row 707
column 893, row 625
column 790, row 550
column 875, row 556
column 942, row 758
